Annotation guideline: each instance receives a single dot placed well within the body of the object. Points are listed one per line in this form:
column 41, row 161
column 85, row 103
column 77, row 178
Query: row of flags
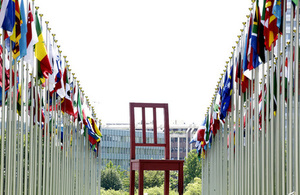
column 255, row 46
column 24, row 41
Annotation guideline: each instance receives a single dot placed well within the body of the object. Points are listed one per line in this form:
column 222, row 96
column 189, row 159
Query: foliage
column 113, row 192
column 153, row 178
column 192, row 167
column 124, row 174
column 158, row 191
column 194, row 188
column 110, row 179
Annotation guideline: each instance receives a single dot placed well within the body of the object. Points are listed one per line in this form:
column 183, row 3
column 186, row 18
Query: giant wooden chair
column 146, row 164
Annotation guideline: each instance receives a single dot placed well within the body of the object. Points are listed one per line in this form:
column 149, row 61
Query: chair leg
column 132, row 182
column 141, row 181
column 180, row 180
column 167, row 182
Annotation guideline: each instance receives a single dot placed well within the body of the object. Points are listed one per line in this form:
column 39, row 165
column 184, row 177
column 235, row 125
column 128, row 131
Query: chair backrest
column 154, row 107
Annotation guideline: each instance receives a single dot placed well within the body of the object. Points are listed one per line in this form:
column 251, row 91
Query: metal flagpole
column 282, row 105
column 268, row 127
column 3, row 121
column 272, row 120
column 14, row 129
column 256, row 131
column 27, row 122
column 9, row 135
column 263, row 131
column 22, row 81
column 290, row 106
column 296, row 129
column 31, row 168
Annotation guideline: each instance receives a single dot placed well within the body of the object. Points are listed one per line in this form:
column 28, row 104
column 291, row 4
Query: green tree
column 194, row 188
column 153, row 178
column 192, row 167
column 110, row 179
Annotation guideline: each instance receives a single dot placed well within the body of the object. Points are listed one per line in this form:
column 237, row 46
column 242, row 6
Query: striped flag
column 44, row 66
column 16, row 34
column 31, row 38
column 255, row 31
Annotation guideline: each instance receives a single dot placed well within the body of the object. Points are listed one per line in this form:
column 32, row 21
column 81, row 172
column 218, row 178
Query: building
column 115, row 143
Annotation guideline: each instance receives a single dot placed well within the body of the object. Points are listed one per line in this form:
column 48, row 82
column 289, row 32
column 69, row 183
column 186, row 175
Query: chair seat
column 147, row 164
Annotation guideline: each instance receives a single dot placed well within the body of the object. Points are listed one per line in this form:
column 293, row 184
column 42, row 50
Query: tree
column 110, row 178
column 192, row 167
column 194, row 188
column 153, row 178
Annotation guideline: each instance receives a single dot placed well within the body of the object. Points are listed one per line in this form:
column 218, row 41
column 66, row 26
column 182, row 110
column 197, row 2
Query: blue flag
column 226, row 94
column 23, row 40
column 277, row 12
column 10, row 18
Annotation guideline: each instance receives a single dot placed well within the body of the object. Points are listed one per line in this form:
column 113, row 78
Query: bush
column 158, row 191
column 113, row 192
column 110, row 179
column 194, row 188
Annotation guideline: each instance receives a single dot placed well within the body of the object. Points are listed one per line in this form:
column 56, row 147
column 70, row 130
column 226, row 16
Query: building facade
column 115, row 144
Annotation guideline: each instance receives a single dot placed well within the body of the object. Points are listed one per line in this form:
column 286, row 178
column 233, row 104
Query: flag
column 295, row 2
column 245, row 61
column 226, row 95
column 260, row 38
column 270, row 26
column 32, row 101
column 277, row 12
column 66, row 103
column 75, row 100
column 194, row 138
column 44, row 66
column 207, row 132
column 94, row 126
column 31, row 38
column 249, row 46
column 286, row 72
column 23, row 40
column 16, row 34
column 94, row 137
column 200, row 134
column 254, row 42
column 79, row 108
column 3, row 11
column 19, row 99
column 53, row 54
column 55, row 79
column 9, row 18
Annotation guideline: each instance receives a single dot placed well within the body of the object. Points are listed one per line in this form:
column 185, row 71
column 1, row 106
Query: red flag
column 270, row 29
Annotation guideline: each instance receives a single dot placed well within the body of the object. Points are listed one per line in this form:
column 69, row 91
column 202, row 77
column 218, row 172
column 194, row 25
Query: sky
column 162, row 51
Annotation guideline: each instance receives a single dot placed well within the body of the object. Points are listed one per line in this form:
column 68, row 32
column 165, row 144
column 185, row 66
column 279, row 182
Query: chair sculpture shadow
column 140, row 165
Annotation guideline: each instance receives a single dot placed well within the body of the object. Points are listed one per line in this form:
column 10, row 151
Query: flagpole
column 290, row 106
column 2, row 116
column 277, row 120
column 283, row 110
column 9, row 140
column 241, row 40
column 268, row 186
column 296, row 100
column 22, row 80
column 263, row 131
column 31, row 168
column 46, row 126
